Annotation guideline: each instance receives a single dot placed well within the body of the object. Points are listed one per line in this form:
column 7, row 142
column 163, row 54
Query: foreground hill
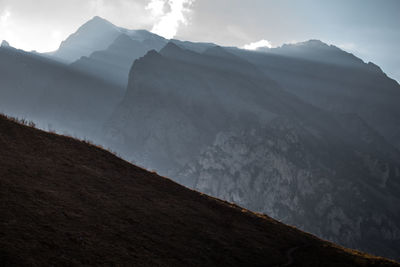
column 65, row 202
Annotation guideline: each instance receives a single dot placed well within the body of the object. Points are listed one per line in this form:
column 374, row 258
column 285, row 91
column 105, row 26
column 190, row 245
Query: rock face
column 220, row 125
column 299, row 179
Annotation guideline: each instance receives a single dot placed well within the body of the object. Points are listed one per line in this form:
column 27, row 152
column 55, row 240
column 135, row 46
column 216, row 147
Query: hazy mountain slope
column 52, row 94
column 113, row 64
column 67, row 203
column 316, row 50
column 193, row 46
column 96, row 35
column 183, row 99
column 334, row 80
column 106, row 51
column 218, row 124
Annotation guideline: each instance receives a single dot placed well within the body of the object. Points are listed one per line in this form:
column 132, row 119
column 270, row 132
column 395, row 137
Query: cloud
column 257, row 45
column 4, row 16
column 169, row 15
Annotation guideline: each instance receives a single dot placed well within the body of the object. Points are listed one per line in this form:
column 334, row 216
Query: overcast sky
column 368, row 28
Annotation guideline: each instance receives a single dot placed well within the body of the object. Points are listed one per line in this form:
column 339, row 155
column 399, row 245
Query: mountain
column 67, row 203
column 183, row 99
column 4, row 43
column 96, row 35
column 54, row 95
column 316, row 50
column 106, row 51
column 220, row 125
column 334, row 80
column 113, row 64
column 198, row 47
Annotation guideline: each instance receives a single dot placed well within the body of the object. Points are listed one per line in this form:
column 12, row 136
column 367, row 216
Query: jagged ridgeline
column 306, row 133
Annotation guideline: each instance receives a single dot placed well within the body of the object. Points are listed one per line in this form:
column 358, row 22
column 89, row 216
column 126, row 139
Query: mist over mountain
column 113, row 64
column 227, row 129
column 53, row 95
column 306, row 133
column 96, row 35
column 334, row 81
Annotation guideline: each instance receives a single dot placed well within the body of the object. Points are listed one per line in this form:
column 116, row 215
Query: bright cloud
column 169, row 15
column 256, row 45
column 4, row 16
column 13, row 30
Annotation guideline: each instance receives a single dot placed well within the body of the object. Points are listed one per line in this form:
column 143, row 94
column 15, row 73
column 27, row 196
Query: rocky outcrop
column 275, row 170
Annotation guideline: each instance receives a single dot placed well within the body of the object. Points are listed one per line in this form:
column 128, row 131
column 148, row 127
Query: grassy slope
column 64, row 202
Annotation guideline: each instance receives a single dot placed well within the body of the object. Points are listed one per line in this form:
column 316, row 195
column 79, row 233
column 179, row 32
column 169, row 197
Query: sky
column 370, row 29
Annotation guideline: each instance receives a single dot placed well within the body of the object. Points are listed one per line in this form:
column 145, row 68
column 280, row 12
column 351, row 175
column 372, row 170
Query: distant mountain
column 334, row 80
column 106, row 51
column 67, row 203
column 316, row 50
column 183, row 99
column 96, row 35
column 54, row 95
column 4, row 43
column 218, row 124
column 193, row 46
column 113, row 64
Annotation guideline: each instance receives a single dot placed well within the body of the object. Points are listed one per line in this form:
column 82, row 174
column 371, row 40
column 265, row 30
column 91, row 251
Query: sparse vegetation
column 19, row 120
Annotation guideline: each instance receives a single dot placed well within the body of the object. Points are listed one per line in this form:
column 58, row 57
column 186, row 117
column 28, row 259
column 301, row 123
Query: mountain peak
column 5, row 44
column 312, row 43
column 171, row 47
column 316, row 50
column 96, row 34
column 98, row 20
column 97, row 24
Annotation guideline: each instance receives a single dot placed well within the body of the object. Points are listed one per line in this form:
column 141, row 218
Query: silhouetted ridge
column 152, row 54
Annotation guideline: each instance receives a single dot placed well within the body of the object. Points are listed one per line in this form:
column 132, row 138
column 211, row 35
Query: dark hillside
column 65, row 202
